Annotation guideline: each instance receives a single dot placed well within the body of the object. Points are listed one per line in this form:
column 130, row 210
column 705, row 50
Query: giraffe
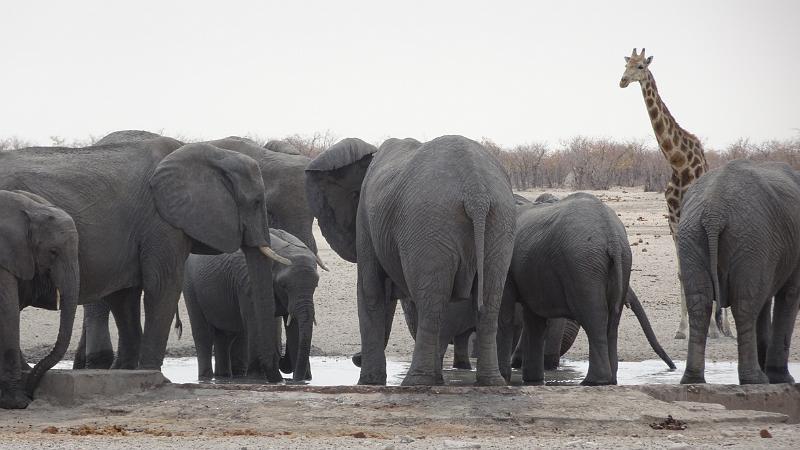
column 685, row 155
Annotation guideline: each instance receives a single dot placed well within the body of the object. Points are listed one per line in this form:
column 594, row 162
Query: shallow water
column 340, row 371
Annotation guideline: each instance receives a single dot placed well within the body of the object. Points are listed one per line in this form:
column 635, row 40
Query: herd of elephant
column 140, row 218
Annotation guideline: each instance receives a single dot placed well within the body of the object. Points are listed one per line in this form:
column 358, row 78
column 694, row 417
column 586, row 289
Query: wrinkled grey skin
column 140, row 208
column 739, row 245
column 284, row 183
column 38, row 267
column 571, row 259
column 282, row 147
column 215, row 290
column 430, row 222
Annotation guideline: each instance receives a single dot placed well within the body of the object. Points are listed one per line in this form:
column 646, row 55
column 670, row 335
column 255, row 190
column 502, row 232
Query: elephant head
column 216, row 197
column 294, row 289
column 39, row 248
column 333, row 189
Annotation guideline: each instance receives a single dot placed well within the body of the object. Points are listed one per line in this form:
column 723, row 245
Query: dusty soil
column 654, row 278
column 392, row 418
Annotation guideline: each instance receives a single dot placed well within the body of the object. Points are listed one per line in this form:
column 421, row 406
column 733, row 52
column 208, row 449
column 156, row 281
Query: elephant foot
column 550, row 362
column 490, row 380
column 356, row 359
column 464, row 365
column 753, row 377
column 693, row 377
column 533, row 382
column 680, row 334
column 15, row 399
column 591, row 382
column 422, row 379
column 372, row 379
column 778, row 375
column 104, row 360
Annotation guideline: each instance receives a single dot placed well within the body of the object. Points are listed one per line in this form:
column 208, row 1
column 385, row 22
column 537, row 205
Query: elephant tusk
column 58, row 299
column 322, row 264
column 289, row 320
column 270, row 253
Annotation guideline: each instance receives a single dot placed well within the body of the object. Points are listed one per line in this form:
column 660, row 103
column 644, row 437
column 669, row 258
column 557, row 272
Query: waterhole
column 340, row 371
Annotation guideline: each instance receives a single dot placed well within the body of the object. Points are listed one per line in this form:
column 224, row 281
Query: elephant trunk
column 636, row 306
column 262, row 343
column 304, row 314
column 67, row 281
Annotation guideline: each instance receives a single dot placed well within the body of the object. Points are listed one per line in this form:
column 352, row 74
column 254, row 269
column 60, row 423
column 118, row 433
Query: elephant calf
column 571, row 259
column 215, row 290
column 38, row 267
column 739, row 245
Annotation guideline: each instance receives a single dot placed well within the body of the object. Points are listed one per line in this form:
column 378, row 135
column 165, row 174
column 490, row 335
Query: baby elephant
column 571, row 259
column 38, row 267
column 739, row 245
column 215, row 289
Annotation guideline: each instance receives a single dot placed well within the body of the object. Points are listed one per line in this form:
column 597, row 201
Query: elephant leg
column 786, row 305
column 684, row 323
column 222, row 354
column 238, row 355
column 203, row 335
column 461, row 351
column 533, row 361
column 372, row 314
column 126, row 307
column 519, row 350
column 506, row 331
column 763, row 325
column 700, row 315
column 79, row 361
column 12, row 393
column 99, row 353
column 613, row 358
column 745, row 313
column 488, row 371
column 552, row 342
column 426, row 362
column 161, row 294
column 595, row 320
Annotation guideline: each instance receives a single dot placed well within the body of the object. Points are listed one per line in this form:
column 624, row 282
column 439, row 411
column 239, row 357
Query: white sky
column 512, row 71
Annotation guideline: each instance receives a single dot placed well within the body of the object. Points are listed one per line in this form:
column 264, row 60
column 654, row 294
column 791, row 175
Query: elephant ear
column 333, row 188
column 194, row 193
column 16, row 253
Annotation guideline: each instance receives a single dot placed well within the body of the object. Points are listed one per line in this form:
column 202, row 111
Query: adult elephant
column 38, row 267
column 216, row 291
column 140, row 208
column 432, row 222
column 571, row 259
column 739, row 246
column 284, row 194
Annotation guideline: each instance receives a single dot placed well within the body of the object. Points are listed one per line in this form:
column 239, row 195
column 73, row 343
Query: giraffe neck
column 678, row 146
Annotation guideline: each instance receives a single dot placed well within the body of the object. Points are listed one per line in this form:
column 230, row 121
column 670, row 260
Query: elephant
column 739, row 246
column 571, row 259
column 431, row 222
column 282, row 147
column 284, row 182
column 216, row 289
column 140, row 208
column 38, row 267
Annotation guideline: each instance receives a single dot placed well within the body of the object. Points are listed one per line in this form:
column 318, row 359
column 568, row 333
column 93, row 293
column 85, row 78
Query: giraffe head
column 635, row 68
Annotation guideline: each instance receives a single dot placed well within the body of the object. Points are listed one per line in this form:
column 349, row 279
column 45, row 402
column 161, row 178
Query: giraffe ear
column 648, row 60
column 627, row 58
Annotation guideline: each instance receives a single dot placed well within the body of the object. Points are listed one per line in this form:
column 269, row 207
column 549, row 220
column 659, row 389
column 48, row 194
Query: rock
column 460, row 444
column 68, row 387
column 406, row 440
column 765, row 433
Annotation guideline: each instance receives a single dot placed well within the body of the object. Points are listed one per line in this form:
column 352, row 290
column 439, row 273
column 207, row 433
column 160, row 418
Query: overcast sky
column 512, row 71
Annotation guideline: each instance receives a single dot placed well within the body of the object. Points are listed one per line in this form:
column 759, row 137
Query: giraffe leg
column 683, row 326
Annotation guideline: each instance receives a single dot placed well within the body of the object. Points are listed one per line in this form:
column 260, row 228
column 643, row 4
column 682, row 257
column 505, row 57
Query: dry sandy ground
column 654, row 279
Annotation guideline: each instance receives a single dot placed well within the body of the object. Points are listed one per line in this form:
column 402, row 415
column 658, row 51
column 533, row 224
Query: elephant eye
column 53, row 252
column 641, row 67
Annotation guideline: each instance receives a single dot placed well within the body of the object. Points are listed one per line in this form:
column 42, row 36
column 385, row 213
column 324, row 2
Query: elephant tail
column 477, row 208
column 178, row 323
column 644, row 322
column 712, row 234
column 620, row 285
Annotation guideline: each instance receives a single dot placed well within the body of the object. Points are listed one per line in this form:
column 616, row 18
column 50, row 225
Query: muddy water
column 340, row 371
